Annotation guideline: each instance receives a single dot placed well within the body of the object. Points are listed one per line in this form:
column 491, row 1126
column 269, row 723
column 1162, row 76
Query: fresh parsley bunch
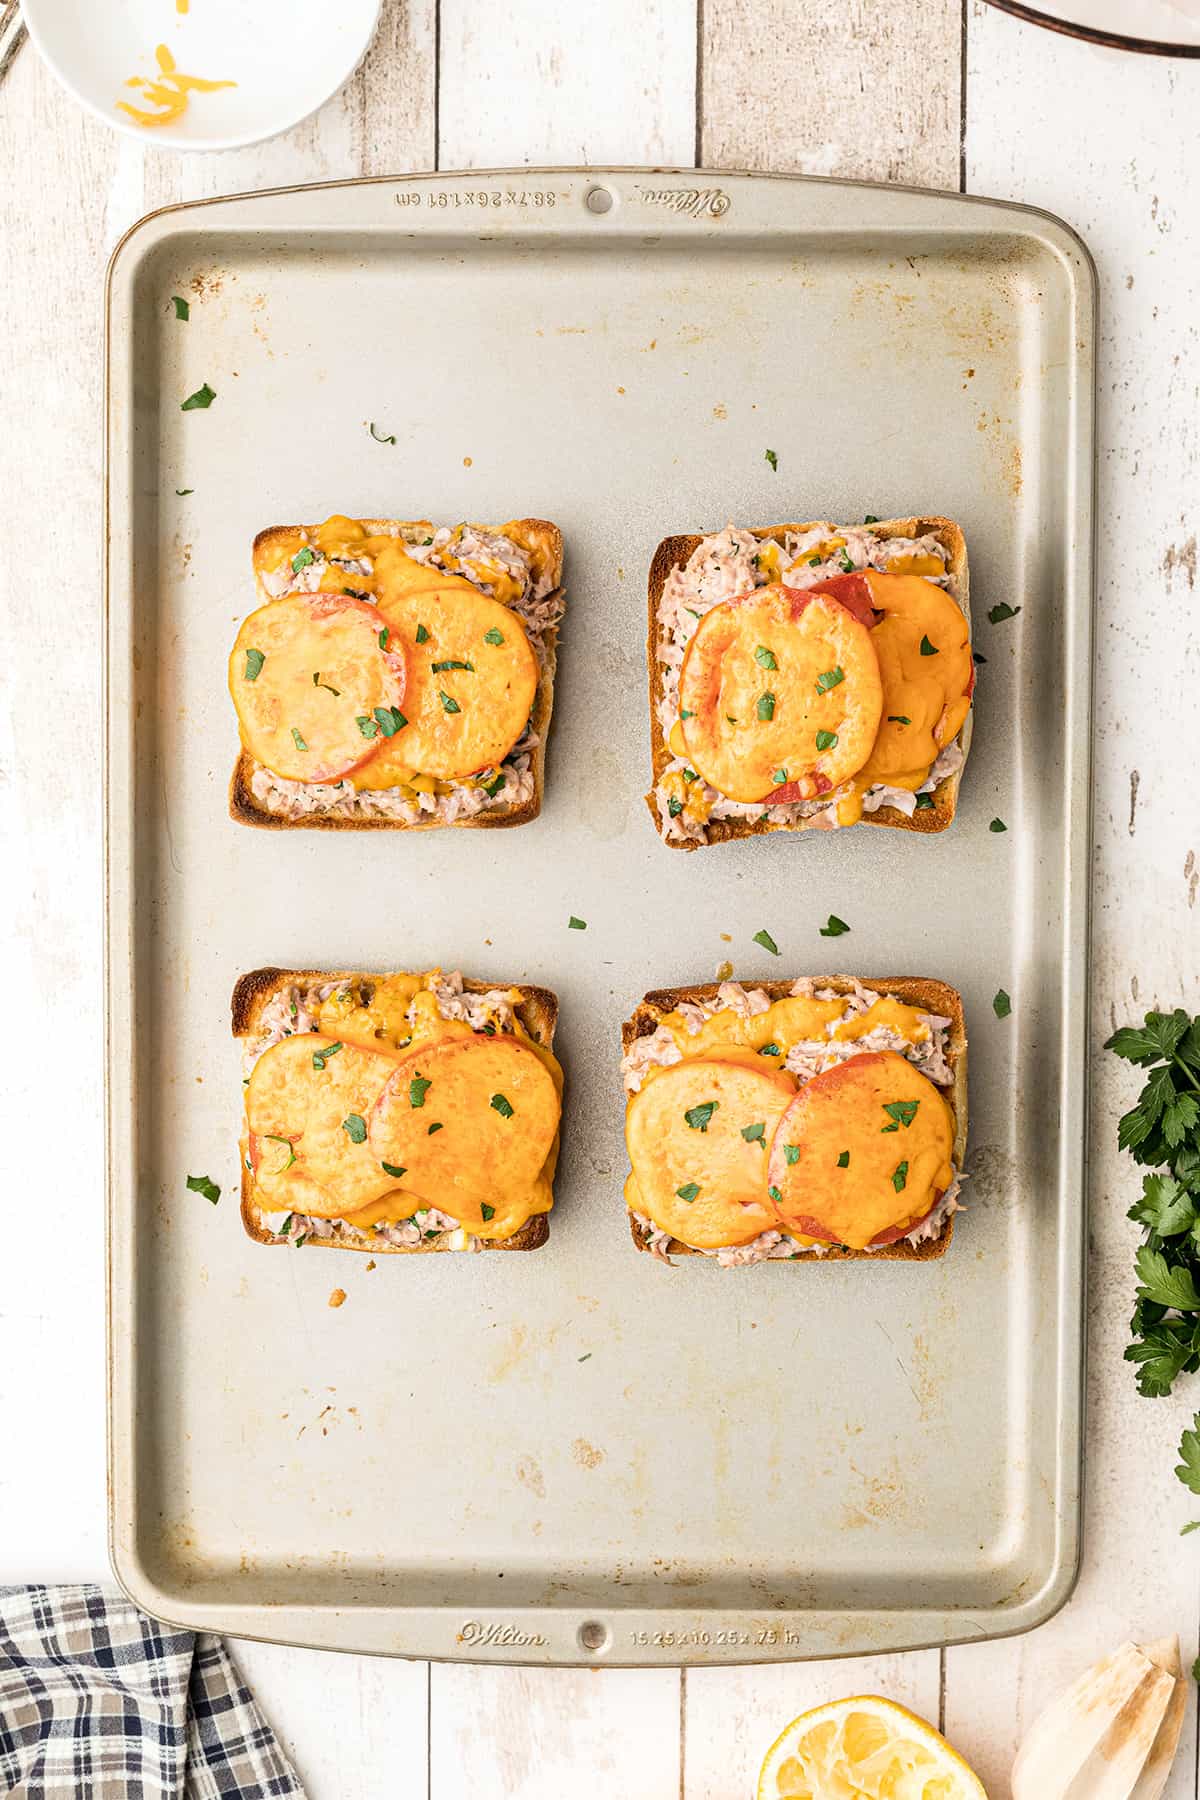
column 1163, row 1132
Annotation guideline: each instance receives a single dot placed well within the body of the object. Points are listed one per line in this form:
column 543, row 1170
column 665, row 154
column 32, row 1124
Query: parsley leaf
column 436, row 668
column 771, row 457
column 688, row 1191
column 422, row 635
column 390, row 720
column 928, row 649
column 791, row 1153
column 418, row 1087
column 1001, row 1004
column 182, row 308
column 698, row 1116
column 835, row 927
column 754, row 1134
column 1188, row 1469
column 831, row 678
column 998, row 614
column 900, row 1177
column 843, row 1161
column 765, row 658
column 488, row 1212
column 1174, row 1287
column 997, row 825
column 254, row 663
column 767, row 941
column 448, row 704
column 201, row 1184
column 355, row 1128
column 502, row 1105
column 321, row 1057
column 901, row 1112
column 766, row 707
column 300, row 743
column 574, row 924
column 395, row 1170
column 827, row 740
column 301, row 560
column 493, row 636
column 379, row 436
column 200, row 401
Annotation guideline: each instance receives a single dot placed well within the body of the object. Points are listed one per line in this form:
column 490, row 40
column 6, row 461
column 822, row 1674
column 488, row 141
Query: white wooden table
column 913, row 92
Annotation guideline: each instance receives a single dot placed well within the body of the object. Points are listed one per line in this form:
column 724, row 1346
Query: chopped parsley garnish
column 201, row 1184
column 765, row 708
column 368, row 727
column 924, row 802
column 489, row 1212
column 997, row 825
column 843, row 1161
column 254, row 662
column 900, row 1112
column 502, row 1105
column 770, row 1050
column 299, row 1242
column 688, row 1191
column 977, row 658
column 779, row 777
column 846, row 563
column 302, row 559
column 685, row 714
column 674, row 805
column 775, row 1194
column 900, row 1177
column 422, row 635
column 754, row 1134
column 321, row 1057
column 270, row 1138
column 448, row 704
column 928, row 649
column 438, row 667
column 574, row 924
column 355, row 1128
column 791, row 1153
column 418, row 1087
column 436, row 1126
column 182, row 309
column 384, row 635
column 765, row 658
column 689, row 775
column 814, row 562
column 200, row 401
column 287, row 1225
column 182, row 493
column 698, row 1116
column 834, row 927
column 871, row 519
column 317, row 682
column 390, row 720
column 770, row 456
column 493, row 636
column 831, row 678
column 826, row 740
column 492, row 788
column 898, row 719
column 764, row 938
column 395, row 1170
column 998, row 614
column 381, row 437
column 1001, row 1005
column 299, row 741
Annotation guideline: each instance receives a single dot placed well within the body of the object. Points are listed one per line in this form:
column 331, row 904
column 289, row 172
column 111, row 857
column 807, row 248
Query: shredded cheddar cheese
column 170, row 92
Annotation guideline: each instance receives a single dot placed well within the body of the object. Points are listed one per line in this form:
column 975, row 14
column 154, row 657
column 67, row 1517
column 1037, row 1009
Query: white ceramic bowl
column 1170, row 27
column 286, row 56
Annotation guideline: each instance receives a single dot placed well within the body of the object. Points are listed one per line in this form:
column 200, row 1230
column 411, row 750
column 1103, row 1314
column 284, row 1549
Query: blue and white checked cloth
column 98, row 1702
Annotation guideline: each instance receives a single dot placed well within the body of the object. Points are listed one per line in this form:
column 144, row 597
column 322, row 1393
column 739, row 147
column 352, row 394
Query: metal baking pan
column 579, row 1455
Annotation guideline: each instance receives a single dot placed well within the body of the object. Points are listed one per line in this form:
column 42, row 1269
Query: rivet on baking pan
column 600, row 200
column 594, row 1636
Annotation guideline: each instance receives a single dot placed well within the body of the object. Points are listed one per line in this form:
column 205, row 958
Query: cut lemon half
column 866, row 1748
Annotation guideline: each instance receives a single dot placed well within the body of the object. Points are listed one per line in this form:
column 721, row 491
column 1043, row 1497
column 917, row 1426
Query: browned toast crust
column 928, row 993
column 538, row 1013
column 676, row 550
column 248, row 811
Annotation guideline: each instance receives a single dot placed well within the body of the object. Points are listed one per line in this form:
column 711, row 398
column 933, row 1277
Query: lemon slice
column 866, row 1748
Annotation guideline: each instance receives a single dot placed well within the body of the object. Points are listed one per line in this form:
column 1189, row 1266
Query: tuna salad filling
column 296, row 1008
column 731, row 563
column 464, row 550
column 806, row 1058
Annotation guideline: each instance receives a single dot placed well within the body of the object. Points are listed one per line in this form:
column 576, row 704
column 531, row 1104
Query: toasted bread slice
column 544, row 542
column 930, row 995
column 674, row 551
column 538, row 1013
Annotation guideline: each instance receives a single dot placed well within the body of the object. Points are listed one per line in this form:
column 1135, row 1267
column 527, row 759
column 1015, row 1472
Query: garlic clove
column 1112, row 1735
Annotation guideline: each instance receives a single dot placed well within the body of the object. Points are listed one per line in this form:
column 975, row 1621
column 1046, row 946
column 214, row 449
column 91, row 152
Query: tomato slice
column 851, row 591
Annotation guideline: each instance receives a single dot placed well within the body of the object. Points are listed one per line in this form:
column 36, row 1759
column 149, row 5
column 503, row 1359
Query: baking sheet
column 578, row 1455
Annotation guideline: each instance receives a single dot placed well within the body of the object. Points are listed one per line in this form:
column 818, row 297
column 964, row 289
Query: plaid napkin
column 97, row 1700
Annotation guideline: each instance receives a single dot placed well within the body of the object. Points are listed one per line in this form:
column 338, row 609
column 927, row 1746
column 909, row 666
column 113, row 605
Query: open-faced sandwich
column 397, row 674
column 397, row 1112
column 805, row 677
column 815, row 1119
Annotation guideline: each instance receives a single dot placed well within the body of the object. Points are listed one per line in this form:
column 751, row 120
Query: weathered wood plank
column 1125, row 189
column 562, row 85
column 355, row 1727
column 537, row 1734
column 834, row 87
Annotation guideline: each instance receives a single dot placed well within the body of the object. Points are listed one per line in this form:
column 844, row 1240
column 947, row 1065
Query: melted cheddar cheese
column 794, row 1020
column 170, row 92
